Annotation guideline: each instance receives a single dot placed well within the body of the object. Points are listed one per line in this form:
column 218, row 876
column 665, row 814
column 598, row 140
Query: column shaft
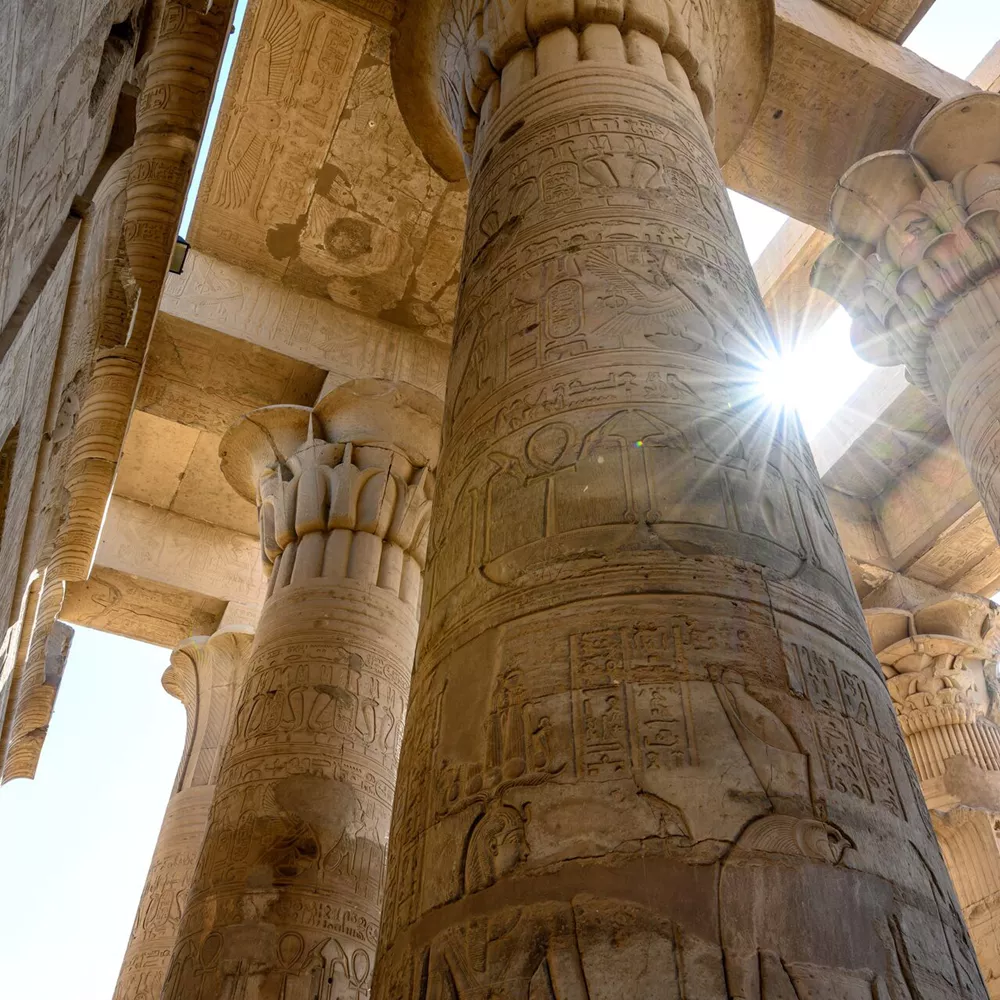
column 288, row 888
column 649, row 752
column 204, row 674
column 937, row 651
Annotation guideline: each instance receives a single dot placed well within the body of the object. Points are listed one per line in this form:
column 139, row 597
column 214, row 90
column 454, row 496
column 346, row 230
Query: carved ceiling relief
column 349, row 218
column 290, row 79
column 365, row 241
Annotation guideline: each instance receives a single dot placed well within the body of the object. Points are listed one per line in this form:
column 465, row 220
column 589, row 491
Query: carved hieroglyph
column 938, row 652
column 917, row 263
column 204, row 674
column 313, row 180
column 648, row 749
column 289, row 883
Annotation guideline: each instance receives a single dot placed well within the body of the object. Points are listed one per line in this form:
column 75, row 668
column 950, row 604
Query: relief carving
column 643, row 721
column 289, row 880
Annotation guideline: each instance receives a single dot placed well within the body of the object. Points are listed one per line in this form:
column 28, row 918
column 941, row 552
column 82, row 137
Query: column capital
column 360, row 461
column 917, row 230
column 204, row 672
column 455, row 62
column 935, row 656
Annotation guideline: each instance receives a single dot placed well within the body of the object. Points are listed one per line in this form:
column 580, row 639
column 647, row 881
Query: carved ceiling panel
column 314, row 181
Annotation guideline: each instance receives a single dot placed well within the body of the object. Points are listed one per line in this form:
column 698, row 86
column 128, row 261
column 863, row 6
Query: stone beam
column 178, row 551
column 233, row 301
column 928, row 524
column 795, row 307
column 126, row 605
column 866, row 407
column 837, row 92
column 917, row 512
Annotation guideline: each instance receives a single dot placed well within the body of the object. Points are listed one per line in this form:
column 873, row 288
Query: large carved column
column 204, row 674
column 286, row 898
column 917, row 264
column 649, row 751
column 938, row 652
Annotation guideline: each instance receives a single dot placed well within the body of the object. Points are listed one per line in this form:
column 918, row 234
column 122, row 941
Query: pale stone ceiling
column 353, row 212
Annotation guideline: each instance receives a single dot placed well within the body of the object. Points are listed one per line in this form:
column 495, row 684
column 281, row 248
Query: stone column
column 286, row 898
column 649, row 750
column 917, row 264
column 204, row 674
column 938, row 652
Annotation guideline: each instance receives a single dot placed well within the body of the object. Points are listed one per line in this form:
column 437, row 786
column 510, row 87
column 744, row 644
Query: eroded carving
column 644, row 718
column 290, row 877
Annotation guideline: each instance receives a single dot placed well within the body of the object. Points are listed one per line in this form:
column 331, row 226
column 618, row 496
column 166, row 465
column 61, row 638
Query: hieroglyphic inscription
column 303, row 800
column 853, row 748
column 640, row 725
column 601, row 676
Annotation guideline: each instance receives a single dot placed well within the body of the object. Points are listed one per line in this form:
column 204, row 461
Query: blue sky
column 76, row 841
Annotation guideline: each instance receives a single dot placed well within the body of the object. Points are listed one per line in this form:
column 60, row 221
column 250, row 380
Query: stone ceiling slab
column 313, row 179
column 154, row 458
column 290, row 78
column 205, row 495
column 885, row 427
column 919, row 507
column 164, row 547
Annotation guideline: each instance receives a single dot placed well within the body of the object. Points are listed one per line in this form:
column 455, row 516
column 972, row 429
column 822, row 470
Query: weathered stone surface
column 648, row 748
column 312, row 204
column 289, row 883
column 837, row 91
column 938, row 652
column 917, row 263
column 205, row 673
column 140, row 609
column 181, row 552
column 62, row 75
column 174, row 467
column 28, row 361
column 225, row 298
column 181, row 55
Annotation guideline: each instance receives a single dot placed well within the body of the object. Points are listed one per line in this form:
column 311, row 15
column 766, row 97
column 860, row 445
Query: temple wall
column 60, row 114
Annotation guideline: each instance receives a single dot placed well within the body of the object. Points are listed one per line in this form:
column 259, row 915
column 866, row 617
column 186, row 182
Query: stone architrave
column 288, row 889
column 917, row 264
column 939, row 655
column 649, row 751
column 204, row 675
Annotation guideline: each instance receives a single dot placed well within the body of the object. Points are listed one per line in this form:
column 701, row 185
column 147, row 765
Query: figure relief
column 518, row 952
column 518, row 750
